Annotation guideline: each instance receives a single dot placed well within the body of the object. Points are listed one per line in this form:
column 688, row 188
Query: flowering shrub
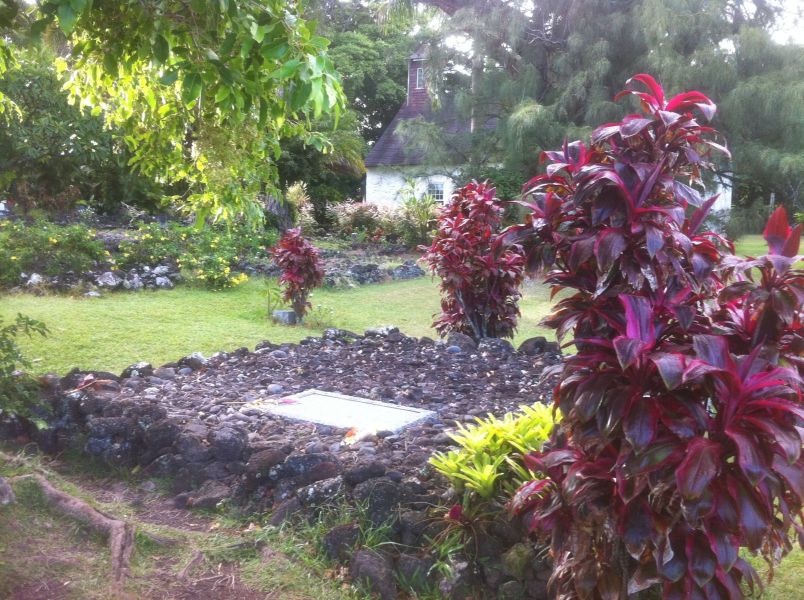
column 212, row 271
column 152, row 244
column 680, row 442
column 301, row 269
column 480, row 272
column 46, row 249
column 360, row 218
column 213, row 255
column 411, row 222
column 210, row 256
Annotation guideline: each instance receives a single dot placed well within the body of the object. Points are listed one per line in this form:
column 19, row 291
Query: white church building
column 391, row 167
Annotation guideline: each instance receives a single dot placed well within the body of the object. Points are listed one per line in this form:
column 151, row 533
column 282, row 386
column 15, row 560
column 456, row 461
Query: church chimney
column 418, row 98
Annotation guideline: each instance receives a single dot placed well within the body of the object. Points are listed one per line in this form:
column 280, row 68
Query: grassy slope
column 72, row 563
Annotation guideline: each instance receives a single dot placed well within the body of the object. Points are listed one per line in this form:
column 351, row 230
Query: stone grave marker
column 361, row 415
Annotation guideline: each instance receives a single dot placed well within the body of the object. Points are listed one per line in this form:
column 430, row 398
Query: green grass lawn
column 788, row 578
column 751, row 245
column 119, row 329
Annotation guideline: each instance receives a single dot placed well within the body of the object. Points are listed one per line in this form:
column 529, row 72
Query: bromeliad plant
column 681, row 436
column 301, row 267
column 485, row 469
column 480, row 271
column 488, row 461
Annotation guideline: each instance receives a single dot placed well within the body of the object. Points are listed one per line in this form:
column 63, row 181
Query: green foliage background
column 202, row 92
column 53, row 154
column 533, row 77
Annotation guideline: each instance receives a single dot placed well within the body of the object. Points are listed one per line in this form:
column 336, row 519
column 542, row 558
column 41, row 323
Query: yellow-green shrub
column 488, row 463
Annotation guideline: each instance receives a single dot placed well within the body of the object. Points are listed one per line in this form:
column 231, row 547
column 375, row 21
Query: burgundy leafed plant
column 480, row 273
column 682, row 413
column 301, row 267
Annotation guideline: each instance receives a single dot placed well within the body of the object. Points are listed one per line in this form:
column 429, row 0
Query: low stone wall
column 344, row 271
column 95, row 282
column 340, row 272
column 190, row 421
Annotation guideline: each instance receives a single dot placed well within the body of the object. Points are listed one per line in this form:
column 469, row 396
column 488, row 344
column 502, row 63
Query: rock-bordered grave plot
column 200, row 423
column 360, row 415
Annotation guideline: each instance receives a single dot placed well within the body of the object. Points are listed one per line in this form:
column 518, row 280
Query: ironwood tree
column 538, row 72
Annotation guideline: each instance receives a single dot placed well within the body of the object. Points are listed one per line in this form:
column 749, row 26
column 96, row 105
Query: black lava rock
column 375, row 572
column 228, row 443
column 339, row 542
column 381, row 497
column 363, row 472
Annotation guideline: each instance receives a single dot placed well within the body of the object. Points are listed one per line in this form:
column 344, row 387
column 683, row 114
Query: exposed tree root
column 194, row 562
column 119, row 533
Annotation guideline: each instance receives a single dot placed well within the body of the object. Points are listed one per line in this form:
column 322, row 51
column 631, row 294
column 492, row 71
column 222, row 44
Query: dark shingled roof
column 420, row 54
column 390, row 150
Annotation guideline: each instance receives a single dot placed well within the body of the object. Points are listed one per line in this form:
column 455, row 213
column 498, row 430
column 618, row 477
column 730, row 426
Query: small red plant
column 480, row 273
column 681, row 435
column 301, row 267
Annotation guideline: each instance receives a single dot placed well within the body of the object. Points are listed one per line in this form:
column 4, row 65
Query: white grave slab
column 337, row 410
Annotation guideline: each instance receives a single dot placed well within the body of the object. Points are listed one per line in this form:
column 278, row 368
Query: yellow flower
column 13, row 258
column 52, row 240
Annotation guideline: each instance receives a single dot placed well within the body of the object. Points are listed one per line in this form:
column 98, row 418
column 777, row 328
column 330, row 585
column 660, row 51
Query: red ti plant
column 480, row 273
column 301, row 267
column 681, row 435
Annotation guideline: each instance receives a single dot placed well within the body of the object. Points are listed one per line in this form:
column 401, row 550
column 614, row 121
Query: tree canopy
column 53, row 154
column 541, row 71
column 202, row 91
column 220, row 101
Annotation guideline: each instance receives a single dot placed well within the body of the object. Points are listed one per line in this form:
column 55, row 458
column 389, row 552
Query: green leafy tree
column 8, row 13
column 330, row 176
column 373, row 62
column 53, row 153
column 372, row 59
column 203, row 91
column 764, row 115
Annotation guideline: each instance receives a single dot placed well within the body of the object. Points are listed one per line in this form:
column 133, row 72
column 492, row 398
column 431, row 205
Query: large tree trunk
column 477, row 74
